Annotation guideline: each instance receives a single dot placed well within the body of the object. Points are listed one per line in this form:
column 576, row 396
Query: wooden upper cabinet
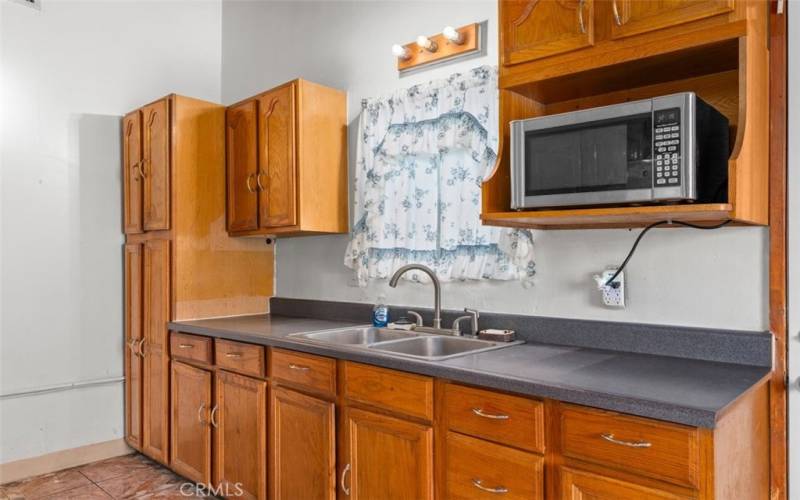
column 287, row 161
column 131, row 177
column 533, row 29
column 133, row 340
column 276, row 155
column 190, row 429
column 631, row 17
column 240, row 435
column 155, row 165
column 302, row 446
column 386, row 457
column 242, row 159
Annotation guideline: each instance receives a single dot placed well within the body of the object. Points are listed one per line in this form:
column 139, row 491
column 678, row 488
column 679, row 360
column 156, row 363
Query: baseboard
column 60, row 460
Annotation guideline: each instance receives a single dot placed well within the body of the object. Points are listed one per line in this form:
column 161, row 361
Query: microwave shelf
column 610, row 217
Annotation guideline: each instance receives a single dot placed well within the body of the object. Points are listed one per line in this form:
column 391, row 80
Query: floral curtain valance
column 422, row 155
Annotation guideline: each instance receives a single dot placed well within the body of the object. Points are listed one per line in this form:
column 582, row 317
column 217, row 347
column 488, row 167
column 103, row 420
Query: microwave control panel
column 667, row 147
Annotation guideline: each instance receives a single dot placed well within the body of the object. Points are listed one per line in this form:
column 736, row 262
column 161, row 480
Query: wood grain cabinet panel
column 155, row 403
column 669, row 452
column 302, row 446
column 133, row 341
column 155, row 165
column 479, row 469
column 276, row 161
column 241, row 136
column 579, row 485
column 312, row 373
column 191, row 347
column 156, row 292
column 131, row 178
column 240, row 435
column 631, row 17
column 503, row 418
column 190, row 429
column 396, row 391
column 386, row 458
column 534, row 29
column 241, row 357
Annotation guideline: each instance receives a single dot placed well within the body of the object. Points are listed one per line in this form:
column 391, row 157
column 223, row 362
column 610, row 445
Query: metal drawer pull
column 479, row 412
column 200, row 413
column 233, row 355
column 298, row 367
column 186, row 346
column 633, row 444
column 214, row 416
column 479, row 484
column 345, row 489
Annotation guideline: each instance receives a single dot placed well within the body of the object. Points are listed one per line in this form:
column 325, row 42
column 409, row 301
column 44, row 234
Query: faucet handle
column 473, row 315
column 457, row 324
column 417, row 317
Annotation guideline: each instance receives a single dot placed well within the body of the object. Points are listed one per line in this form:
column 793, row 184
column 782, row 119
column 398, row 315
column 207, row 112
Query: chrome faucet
column 437, row 289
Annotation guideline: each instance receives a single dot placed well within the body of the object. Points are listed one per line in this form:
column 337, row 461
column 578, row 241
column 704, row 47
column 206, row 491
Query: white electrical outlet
column 614, row 292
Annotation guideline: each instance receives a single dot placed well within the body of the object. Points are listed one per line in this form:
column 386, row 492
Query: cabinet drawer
column 497, row 417
column 316, row 373
column 480, row 469
column 393, row 390
column 660, row 450
column 191, row 347
column 240, row 357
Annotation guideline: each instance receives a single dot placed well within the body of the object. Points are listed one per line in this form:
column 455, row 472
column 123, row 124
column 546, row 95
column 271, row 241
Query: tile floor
column 130, row 476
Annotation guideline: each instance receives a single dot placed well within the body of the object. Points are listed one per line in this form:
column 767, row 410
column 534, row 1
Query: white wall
column 69, row 72
column 678, row 276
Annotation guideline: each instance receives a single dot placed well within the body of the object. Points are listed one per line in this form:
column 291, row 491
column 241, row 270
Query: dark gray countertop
column 685, row 391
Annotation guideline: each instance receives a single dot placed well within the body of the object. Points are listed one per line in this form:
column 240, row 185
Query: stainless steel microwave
column 670, row 148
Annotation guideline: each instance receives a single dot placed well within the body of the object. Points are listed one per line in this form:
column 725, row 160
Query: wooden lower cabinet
column 386, row 457
column 155, row 403
column 191, row 404
column 240, row 435
column 579, row 485
column 133, row 341
column 302, row 447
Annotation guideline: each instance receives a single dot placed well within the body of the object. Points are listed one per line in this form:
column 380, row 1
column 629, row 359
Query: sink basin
column 358, row 336
column 435, row 347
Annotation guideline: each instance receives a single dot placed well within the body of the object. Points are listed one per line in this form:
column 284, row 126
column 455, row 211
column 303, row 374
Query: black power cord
column 610, row 281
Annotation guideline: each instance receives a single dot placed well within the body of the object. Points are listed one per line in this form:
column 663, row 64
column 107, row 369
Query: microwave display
column 596, row 156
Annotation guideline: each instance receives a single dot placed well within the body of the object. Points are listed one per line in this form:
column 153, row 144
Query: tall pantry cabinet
column 179, row 262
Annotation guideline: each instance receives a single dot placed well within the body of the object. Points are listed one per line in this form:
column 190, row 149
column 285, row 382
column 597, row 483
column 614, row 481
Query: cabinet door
column 240, row 435
column 276, row 159
column 533, row 29
column 155, row 403
column 302, row 449
column 131, row 178
column 579, row 485
column 190, row 430
column 387, row 458
column 156, row 292
column 155, row 165
column 632, row 17
column 133, row 338
column 242, row 162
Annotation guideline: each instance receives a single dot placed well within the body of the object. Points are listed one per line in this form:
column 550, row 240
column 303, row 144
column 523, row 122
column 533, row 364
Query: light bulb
column 426, row 43
column 400, row 52
column 453, row 35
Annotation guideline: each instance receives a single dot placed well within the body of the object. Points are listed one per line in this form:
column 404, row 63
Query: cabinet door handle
column 233, row 355
column 140, row 347
column 249, row 186
column 632, row 444
column 213, row 418
column 186, row 346
column 615, row 9
column 258, row 181
column 132, row 345
column 581, row 24
column 479, row 412
column 140, row 167
column 301, row 368
column 200, row 413
column 345, row 489
column 498, row 489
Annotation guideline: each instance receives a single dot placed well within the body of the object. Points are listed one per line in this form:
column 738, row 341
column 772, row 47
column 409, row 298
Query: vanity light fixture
column 450, row 44
column 453, row 35
column 427, row 44
column 400, row 52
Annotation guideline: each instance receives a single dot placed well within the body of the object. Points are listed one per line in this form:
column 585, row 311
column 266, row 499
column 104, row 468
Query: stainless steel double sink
column 429, row 347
